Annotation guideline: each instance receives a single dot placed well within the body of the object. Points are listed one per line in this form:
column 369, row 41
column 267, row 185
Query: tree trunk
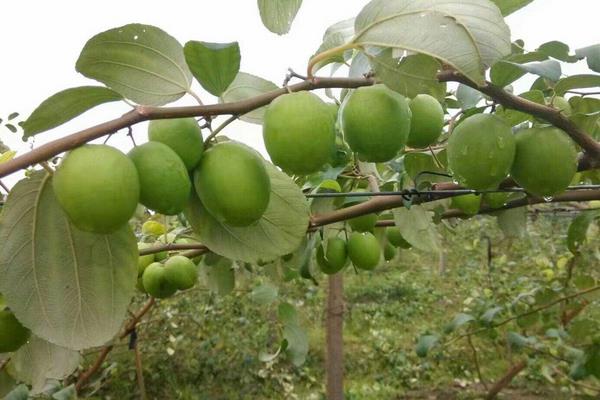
column 334, row 359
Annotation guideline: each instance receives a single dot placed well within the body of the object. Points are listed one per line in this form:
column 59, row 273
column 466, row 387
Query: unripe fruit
column 364, row 250
column 164, row 181
column 13, row 335
column 426, row 122
column 181, row 272
column 376, row 122
column 98, row 187
column 155, row 282
column 335, row 258
column 389, row 252
column 364, row 223
column 233, row 184
column 545, row 162
column 153, row 228
column 299, row 132
column 395, row 238
column 144, row 261
column 481, row 151
column 496, row 199
column 182, row 135
column 467, row 203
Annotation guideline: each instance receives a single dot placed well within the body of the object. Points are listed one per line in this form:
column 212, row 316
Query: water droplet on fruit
column 501, row 142
column 548, row 199
column 465, row 150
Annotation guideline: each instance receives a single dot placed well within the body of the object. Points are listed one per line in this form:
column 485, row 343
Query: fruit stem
column 326, row 54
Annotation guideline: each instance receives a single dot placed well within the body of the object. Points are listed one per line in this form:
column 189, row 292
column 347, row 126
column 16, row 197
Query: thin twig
column 215, row 132
column 47, row 167
column 506, row 379
column 139, row 371
column 4, row 363
column 476, row 361
column 3, row 186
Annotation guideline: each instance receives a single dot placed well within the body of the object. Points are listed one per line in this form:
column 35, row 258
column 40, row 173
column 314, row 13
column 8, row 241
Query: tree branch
column 144, row 113
column 506, row 379
column 549, row 114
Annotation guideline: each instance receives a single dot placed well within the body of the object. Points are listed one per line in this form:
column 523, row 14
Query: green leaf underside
column 278, row 15
column 470, row 35
column 141, row 62
column 583, row 81
column 549, row 69
column 66, row 105
column 71, row 288
column 336, row 35
column 214, row 65
column 246, row 86
column 508, row 7
column 39, row 360
column 410, row 76
column 577, row 233
column 417, row 228
column 592, row 55
column 280, row 231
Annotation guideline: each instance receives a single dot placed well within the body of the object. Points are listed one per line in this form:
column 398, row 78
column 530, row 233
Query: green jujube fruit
column 426, row 122
column 335, row 258
column 98, row 188
column 376, row 123
column 363, row 223
column 183, row 135
column 233, row 184
column 545, row 162
column 13, row 335
column 299, row 132
column 164, row 181
column 364, row 250
column 496, row 199
column 481, row 151
column 181, row 272
column 144, row 261
column 467, row 203
column 395, row 238
column 389, row 252
column 155, row 282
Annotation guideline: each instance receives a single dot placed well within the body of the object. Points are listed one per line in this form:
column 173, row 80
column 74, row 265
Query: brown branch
column 506, row 379
column 549, row 114
column 130, row 327
column 139, row 371
column 476, row 361
column 144, row 113
column 4, row 363
column 172, row 247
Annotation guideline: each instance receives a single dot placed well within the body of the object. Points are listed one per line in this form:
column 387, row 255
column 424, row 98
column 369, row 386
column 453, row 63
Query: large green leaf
column 278, row 15
column 577, row 233
column 141, row 62
column 470, row 35
column 214, row 65
column 295, row 336
column 505, row 71
column 336, row 35
column 39, row 360
column 66, row 105
column 69, row 287
column 508, row 7
column 549, row 69
column 513, row 222
column 425, row 343
column 410, row 76
column 417, row 228
column 245, row 86
column 592, row 56
column 577, row 82
column 279, row 232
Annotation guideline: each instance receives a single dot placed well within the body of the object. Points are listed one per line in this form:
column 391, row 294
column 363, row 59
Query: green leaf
column 417, row 228
column 69, row 287
column 417, row 163
column 577, row 233
column 7, row 156
column 214, row 65
column 409, row 76
column 278, row 15
column 468, row 97
column 514, row 117
column 504, row 72
column 425, row 344
column 577, row 82
column 245, row 86
column 592, row 360
column 518, row 341
column 508, row 7
column 21, row 392
column 549, row 69
column 513, row 222
column 220, row 278
column 470, row 35
column 7, row 382
column 279, row 232
column 592, row 56
column 459, row 320
column 336, row 35
column 583, row 330
column 489, row 315
column 66, row 105
column 12, row 116
column 297, row 340
column 264, row 294
column 141, row 62
column 287, row 314
column 558, row 50
column 68, row 393
column 39, row 360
